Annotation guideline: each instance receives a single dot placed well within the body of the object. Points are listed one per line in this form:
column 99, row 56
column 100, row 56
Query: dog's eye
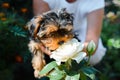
column 61, row 42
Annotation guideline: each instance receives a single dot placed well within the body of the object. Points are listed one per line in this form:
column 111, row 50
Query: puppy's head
column 52, row 28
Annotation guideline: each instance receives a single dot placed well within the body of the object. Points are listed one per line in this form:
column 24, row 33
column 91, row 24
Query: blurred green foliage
column 110, row 65
column 111, row 62
column 15, row 59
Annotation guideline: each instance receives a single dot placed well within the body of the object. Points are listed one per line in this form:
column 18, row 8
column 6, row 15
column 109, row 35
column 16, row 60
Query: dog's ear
column 48, row 24
column 64, row 15
column 33, row 25
column 66, row 19
column 30, row 28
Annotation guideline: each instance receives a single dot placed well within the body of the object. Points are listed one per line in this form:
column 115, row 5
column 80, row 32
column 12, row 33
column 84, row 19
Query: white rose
column 117, row 2
column 110, row 14
column 71, row 49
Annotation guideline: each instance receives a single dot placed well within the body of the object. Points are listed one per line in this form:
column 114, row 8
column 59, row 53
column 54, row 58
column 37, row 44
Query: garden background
column 15, row 59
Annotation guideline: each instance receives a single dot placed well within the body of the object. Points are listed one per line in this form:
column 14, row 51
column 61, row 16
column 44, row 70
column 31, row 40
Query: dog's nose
column 61, row 42
column 49, row 49
column 52, row 50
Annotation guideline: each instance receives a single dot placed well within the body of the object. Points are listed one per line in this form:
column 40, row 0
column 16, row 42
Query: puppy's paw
column 38, row 63
column 36, row 74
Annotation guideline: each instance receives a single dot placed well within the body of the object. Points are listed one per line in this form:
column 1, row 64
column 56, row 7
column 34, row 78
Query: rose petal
column 80, row 47
column 79, row 57
column 58, row 62
column 58, row 57
column 67, row 50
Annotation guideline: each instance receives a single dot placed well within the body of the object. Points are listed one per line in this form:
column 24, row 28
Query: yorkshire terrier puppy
column 50, row 29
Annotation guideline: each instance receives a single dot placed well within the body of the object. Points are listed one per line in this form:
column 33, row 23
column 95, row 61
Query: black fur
column 59, row 18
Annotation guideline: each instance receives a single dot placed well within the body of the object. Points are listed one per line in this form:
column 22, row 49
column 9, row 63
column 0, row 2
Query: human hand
column 44, row 49
column 37, row 46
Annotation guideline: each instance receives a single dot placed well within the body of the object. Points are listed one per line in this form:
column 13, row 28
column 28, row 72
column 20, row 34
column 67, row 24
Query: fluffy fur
column 50, row 29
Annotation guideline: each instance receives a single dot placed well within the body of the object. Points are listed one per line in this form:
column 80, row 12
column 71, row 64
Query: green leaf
column 18, row 31
column 56, row 75
column 48, row 68
column 90, row 72
column 91, row 76
column 117, row 43
column 82, row 76
column 110, row 42
column 74, row 77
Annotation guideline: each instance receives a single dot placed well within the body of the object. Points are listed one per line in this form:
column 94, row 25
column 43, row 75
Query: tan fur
column 38, row 61
column 49, row 31
column 36, row 21
column 52, row 43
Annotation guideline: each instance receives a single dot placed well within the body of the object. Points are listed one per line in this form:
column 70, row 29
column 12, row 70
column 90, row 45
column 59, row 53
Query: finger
column 45, row 50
